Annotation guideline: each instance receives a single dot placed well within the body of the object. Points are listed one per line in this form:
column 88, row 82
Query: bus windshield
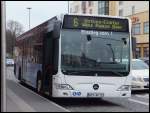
column 90, row 52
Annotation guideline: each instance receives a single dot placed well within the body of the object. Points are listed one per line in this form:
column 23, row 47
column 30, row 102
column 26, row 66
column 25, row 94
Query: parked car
column 9, row 62
column 140, row 74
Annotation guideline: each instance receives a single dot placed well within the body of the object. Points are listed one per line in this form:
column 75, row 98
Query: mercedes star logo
column 95, row 86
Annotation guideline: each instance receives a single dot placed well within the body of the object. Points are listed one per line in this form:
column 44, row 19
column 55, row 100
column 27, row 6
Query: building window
column 103, row 7
column 84, row 7
column 76, row 9
column 70, row 10
column 146, row 52
column 90, row 3
column 138, row 52
column 120, row 2
column 90, row 11
column 133, row 10
column 146, row 27
column 121, row 12
column 136, row 29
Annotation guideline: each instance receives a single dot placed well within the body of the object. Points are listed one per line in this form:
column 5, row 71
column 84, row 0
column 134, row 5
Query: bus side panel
column 32, row 69
column 32, row 59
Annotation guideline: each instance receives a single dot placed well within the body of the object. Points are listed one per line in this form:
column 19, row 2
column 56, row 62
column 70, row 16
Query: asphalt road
column 139, row 102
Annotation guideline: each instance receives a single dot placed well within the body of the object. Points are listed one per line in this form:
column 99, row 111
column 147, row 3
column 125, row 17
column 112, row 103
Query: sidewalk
column 21, row 99
column 11, row 106
column 16, row 104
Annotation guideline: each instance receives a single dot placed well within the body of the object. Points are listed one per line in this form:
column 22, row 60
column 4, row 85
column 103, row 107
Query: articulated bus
column 77, row 56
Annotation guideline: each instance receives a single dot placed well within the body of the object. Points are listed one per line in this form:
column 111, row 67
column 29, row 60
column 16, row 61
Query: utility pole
column 29, row 8
column 3, row 55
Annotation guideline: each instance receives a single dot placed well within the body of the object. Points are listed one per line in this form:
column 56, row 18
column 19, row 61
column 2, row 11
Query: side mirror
column 56, row 30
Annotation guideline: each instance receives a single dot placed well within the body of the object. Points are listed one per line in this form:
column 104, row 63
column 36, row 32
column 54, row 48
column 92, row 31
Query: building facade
column 93, row 7
column 138, row 11
column 126, row 8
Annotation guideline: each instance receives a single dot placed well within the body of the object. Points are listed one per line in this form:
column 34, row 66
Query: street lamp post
column 29, row 15
column 68, row 7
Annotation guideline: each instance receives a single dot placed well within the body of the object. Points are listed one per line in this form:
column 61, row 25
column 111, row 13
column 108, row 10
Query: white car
column 140, row 74
column 9, row 62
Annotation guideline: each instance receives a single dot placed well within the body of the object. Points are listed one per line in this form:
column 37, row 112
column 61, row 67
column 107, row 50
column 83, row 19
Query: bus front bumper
column 91, row 94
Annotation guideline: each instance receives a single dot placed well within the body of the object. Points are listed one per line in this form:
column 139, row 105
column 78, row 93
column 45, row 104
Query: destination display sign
column 95, row 23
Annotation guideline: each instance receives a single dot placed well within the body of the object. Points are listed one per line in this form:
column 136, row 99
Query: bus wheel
column 39, row 84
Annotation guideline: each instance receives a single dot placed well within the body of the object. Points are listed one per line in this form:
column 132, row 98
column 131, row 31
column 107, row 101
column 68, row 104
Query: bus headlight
column 138, row 79
column 64, row 87
column 124, row 88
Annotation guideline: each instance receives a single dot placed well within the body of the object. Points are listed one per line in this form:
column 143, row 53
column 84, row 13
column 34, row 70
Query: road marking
column 140, row 102
column 142, row 96
column 20, row 103
column 66, row 110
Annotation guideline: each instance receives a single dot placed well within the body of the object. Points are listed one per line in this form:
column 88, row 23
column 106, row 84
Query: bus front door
column 47, row 64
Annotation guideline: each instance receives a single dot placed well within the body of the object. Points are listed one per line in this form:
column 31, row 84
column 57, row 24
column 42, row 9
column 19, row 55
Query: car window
column 139, row 64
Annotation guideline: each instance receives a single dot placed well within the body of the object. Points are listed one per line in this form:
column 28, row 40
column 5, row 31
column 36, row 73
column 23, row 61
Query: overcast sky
column 40, row 12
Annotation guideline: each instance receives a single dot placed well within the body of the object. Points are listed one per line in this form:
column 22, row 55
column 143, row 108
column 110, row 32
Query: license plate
column 95, row 94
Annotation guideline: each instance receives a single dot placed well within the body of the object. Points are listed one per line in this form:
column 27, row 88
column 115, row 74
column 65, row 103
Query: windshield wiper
column 72, row 72
column 117, row 73
column 79, row 72
column 93, row 72
column 101, row 63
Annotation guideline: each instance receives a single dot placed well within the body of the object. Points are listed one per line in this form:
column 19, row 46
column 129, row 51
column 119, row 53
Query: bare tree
column 13, row 29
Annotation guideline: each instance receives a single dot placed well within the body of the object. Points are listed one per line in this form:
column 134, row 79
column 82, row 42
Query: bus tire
column 38, row 83
column 19, row 74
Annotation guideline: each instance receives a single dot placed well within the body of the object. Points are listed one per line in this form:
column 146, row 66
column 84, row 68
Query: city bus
column 77, row 56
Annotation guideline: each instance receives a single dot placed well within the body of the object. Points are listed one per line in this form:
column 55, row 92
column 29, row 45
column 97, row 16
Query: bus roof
column 40, row 28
